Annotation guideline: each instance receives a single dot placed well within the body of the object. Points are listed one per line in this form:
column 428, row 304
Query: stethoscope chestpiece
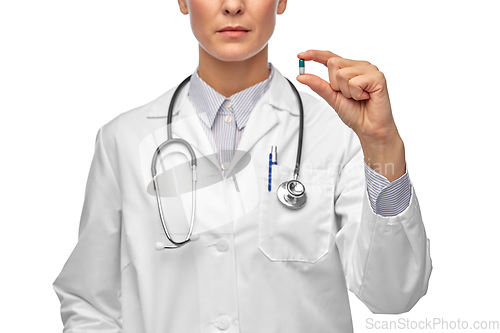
column 292, row 194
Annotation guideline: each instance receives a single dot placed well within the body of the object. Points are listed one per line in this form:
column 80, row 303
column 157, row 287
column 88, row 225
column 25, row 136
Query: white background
column 68, row 67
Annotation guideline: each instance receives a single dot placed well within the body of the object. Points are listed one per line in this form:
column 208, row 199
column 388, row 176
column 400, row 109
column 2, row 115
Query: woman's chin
column 232, row 53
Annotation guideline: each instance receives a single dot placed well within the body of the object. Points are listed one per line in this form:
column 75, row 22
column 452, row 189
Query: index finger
column 318, row 56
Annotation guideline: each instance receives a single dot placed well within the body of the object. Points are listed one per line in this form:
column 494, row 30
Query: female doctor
column 252, row 264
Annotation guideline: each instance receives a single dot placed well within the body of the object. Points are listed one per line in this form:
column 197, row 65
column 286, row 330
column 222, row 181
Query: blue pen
column 273, row 159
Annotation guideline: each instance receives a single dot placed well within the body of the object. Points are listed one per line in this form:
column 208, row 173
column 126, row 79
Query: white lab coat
column 257, row 266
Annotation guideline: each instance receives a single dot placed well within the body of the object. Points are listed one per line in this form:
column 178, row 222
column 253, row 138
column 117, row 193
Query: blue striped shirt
column 224, row 118
column 386, row 198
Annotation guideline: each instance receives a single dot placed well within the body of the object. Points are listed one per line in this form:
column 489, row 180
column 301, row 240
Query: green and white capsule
column 302, row 66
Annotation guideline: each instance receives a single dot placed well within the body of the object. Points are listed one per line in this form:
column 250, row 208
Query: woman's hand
column 358, row 92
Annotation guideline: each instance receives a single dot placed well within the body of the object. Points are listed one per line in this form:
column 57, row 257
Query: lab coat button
column 222, row 245
column 228, row 104
column 223, row 322
column 228, row 119
column 225, row 166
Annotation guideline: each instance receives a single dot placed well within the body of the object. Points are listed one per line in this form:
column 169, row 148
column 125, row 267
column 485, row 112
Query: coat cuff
column 396, row 266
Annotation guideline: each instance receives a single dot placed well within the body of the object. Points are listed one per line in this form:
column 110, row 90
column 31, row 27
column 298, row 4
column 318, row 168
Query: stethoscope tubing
column 301, row 132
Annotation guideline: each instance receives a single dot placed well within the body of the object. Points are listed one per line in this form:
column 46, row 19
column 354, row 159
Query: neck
column 230, row 77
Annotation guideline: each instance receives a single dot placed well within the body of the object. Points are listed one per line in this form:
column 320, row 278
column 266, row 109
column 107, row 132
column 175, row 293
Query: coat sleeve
column 88, row 286
column 385, row 259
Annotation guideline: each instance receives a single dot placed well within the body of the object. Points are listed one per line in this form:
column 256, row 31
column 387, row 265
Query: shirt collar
column 207, row 102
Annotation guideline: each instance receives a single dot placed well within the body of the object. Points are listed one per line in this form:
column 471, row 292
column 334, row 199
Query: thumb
column 319, row 86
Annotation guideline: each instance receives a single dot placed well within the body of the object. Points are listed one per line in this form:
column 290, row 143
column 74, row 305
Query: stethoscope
column 292, row 193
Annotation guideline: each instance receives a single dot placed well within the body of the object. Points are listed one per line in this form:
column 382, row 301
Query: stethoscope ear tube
column 158, row 196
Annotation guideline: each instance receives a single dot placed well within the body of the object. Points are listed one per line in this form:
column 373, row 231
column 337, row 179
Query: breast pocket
column 302, row 234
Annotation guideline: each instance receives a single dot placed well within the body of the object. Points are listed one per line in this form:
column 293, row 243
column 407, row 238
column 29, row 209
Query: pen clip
column 274, row 153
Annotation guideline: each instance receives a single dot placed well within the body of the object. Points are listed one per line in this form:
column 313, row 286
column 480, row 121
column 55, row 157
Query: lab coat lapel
column 264, row 116
column 262, row 120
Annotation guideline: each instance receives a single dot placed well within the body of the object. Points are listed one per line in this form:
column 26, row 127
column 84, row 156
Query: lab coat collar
column 279, row 97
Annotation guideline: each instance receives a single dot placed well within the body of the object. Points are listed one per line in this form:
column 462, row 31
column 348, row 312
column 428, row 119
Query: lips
column 235, row 28
column 233, row 32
